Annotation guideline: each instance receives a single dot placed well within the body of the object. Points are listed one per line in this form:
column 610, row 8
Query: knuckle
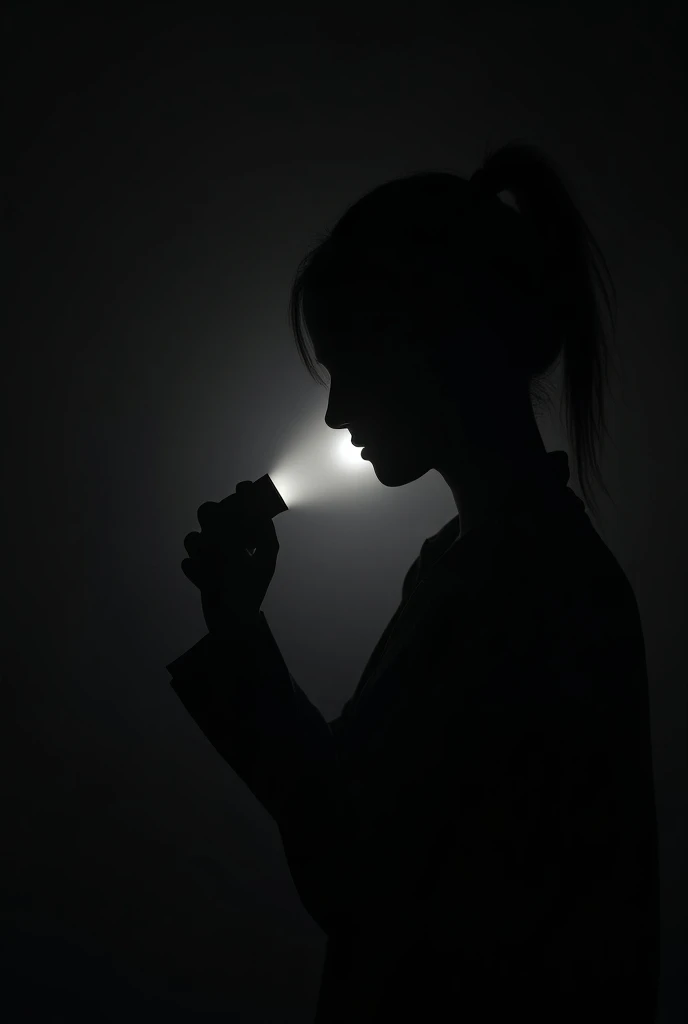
column 192, row 541
column 205, row 510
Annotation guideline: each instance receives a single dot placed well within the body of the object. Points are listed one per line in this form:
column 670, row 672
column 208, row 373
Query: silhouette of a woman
column 439, row 311
column 476, row 831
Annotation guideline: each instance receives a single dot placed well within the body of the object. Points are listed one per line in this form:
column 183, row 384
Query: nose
column 336, row 415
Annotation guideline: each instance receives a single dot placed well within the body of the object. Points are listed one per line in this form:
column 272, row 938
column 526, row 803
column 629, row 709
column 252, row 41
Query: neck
column 482, row 476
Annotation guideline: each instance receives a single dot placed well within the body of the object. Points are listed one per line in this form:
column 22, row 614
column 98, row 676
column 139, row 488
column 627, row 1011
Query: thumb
column 262, row 527
column 266, row 541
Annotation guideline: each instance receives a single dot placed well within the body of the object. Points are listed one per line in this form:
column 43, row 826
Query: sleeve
column 246, row 702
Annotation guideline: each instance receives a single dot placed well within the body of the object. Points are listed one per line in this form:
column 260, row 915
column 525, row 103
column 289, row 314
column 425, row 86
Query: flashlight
column 268, row 500
column 263, row 499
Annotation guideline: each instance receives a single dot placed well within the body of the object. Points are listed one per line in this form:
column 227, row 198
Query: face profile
column 380, row 391
column 415, row 403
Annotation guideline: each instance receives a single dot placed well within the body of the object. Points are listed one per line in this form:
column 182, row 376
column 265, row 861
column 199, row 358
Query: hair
column 449, row 252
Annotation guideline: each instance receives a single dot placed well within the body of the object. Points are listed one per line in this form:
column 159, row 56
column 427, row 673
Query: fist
column 232, row 560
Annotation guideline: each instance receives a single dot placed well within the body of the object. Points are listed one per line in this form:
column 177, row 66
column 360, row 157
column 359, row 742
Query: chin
column 396, row 472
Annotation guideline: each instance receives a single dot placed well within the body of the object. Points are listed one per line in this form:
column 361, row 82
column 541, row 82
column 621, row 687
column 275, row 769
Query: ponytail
column 575, row 266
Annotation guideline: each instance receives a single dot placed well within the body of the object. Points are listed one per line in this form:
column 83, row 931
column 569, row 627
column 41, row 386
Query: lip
column 356, row 444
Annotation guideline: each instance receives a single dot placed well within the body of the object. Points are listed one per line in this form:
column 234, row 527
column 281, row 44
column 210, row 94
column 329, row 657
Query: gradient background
column 168, row 171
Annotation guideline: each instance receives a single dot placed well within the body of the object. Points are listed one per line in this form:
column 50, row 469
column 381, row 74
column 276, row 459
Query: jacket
column 476, row 832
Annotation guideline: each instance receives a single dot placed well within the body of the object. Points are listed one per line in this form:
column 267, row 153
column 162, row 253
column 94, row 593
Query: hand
column 232, row 560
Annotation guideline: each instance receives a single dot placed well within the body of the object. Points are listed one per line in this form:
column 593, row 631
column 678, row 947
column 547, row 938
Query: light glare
column 321, row 466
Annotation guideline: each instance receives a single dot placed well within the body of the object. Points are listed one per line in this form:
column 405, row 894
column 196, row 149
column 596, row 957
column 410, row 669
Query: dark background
column 167, row 171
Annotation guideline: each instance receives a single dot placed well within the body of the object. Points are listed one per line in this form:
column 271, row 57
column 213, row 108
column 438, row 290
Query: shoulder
column 431, row 548
column 561, row 619
column 595, row 606
column 568, row 579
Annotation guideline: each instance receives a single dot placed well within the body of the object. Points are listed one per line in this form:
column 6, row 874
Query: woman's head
column 438, row 310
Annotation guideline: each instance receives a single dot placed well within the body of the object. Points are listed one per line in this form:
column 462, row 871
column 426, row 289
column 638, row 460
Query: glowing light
column 321, row 466
column 348, row 455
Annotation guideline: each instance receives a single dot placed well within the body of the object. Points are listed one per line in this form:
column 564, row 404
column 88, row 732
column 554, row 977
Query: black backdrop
column 168, row 168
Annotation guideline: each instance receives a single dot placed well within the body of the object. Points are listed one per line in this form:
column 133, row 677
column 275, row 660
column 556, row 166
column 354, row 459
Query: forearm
column 240, row 693
column 225, row 680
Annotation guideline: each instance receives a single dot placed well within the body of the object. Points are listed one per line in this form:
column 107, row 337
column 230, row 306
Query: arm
column 242, row 696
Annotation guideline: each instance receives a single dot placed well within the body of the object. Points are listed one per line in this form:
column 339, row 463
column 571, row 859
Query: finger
column 204, row 571
column 192, row 543
column 266, row 541
column 246, row 499
column 208, row 514
column 235, row 514
column 192, row 572
column 241, row 498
